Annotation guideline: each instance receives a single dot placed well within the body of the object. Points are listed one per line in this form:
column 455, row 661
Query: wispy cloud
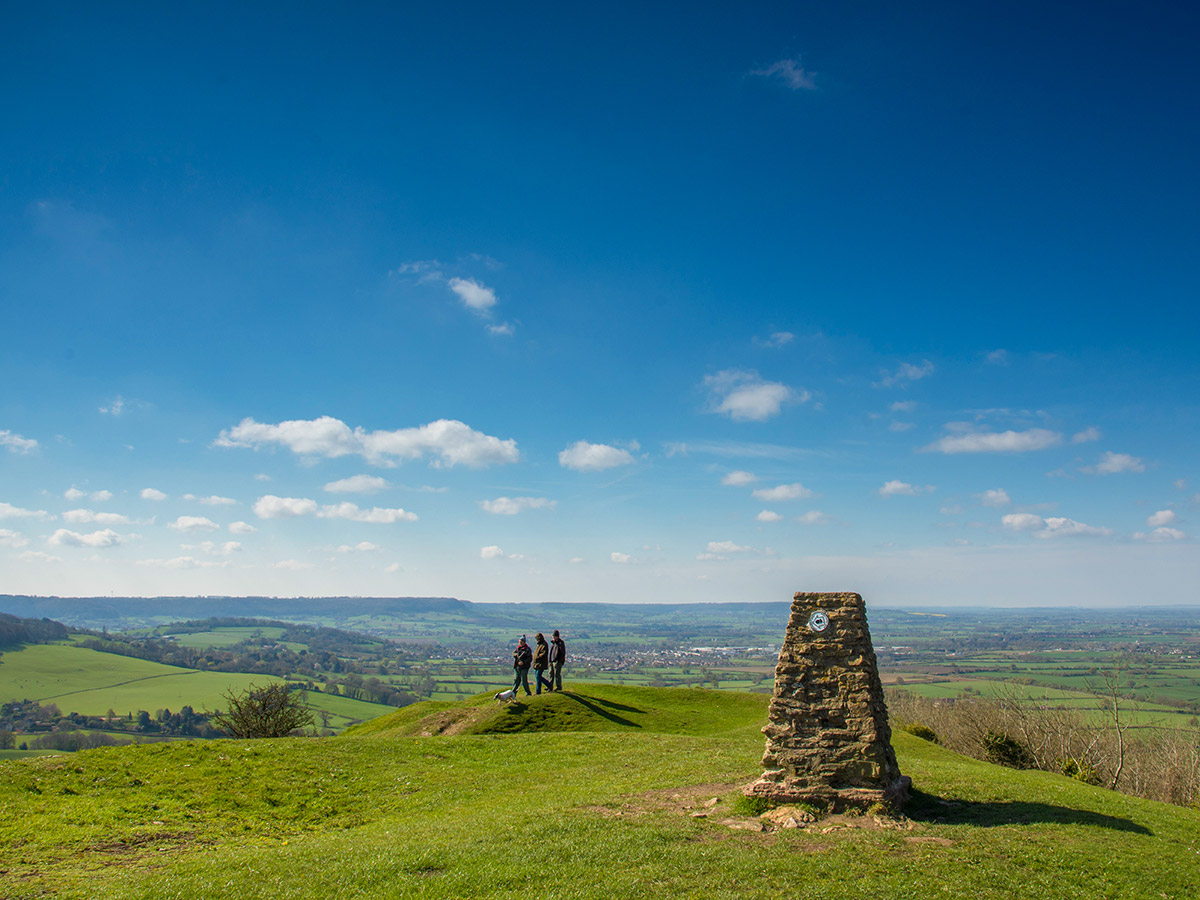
column 17, row 444
column 791, row 73
column 898, row 488
column 738, row 478
column 964, row 438
column 1114, row 463
column 794, row 491
column 510, row 506
column 905, row 374
column 358, row 484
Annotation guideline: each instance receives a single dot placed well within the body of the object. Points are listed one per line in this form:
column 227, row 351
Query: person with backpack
column 558, row 656
column 522, row 659
column 541, row 662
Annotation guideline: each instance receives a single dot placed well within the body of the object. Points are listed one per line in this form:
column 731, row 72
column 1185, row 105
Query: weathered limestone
column 828, row 740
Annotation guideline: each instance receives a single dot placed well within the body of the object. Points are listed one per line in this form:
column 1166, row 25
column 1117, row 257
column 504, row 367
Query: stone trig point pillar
column 828, row 740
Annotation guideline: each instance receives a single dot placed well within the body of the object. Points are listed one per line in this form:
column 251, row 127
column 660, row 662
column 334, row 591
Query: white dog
column 504, row 696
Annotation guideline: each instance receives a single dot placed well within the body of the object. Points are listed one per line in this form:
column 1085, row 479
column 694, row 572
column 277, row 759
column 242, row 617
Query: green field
column 595, row 791
column 88, row 682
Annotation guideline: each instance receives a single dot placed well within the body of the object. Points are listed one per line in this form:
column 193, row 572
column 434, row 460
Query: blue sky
column 551, row 303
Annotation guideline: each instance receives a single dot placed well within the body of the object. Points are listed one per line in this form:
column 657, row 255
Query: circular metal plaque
column 818, row 621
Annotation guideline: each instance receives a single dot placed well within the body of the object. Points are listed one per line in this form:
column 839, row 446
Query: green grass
column 602, row 813
column 91, row 683
column 225, row 637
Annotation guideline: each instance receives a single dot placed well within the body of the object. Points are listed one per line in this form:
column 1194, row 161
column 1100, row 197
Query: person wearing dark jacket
column 541, row 662
column 522, row 657
column 558, row 656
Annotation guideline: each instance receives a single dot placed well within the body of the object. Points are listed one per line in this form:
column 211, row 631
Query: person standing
column 541, row 662
column 522, row 658
column 558, row 656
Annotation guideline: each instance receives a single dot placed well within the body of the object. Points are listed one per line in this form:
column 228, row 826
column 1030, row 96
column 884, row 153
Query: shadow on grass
column 597, row 706
column 923, row 807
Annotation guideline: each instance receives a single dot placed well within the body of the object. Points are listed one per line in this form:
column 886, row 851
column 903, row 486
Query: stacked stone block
column 828, row 739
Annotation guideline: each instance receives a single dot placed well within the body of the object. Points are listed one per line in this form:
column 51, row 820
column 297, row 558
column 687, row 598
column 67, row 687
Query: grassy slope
column 383, row 814
column 91, row 683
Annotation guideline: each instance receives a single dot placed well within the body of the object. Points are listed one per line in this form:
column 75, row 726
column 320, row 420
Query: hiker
column 522, row 657
column 558, row 656
column 541, row 662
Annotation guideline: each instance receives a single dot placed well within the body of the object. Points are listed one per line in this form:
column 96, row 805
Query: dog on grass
column 505, row 696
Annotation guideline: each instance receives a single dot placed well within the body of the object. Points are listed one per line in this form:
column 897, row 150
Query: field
column 91, row 683
column 607, row 792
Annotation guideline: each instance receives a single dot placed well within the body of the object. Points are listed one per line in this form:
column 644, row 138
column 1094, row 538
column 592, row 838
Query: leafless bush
column 1155, row 763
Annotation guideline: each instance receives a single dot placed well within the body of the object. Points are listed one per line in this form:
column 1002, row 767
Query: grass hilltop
column 602, row 791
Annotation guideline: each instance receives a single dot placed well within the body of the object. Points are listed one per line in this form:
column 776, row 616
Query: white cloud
column 777, row 339
column 475, row 296
column 360, row 547
column 897, row 488
column 584, row 457
column 241, row 528
column 427, row 268
column 813, row 517
column 1052, row 527
column 358, row 484
column 8, row 511
column 86, row 516
column 1023, row 522
column 376, row 515
column 17, row 444
column 393, row 568
column 191, row 524
column 115, row 408
column 182, row 562
column 262, row 476
column 491, row 552
column 451, row 442
column 12, row 539
column 995, row 498
column 901, row 426
column 1113, row 463
column 506, row 329
column 1161, row 534
column 726, row 547
column 903, row 406
column 576, row 560
column 998, row 357
column 620, row 558
column 1162, row 517
column 1088, row 434
column 510, row 506
column 214, row 500
column 966, row 440
column 739, row 479
column 907, row 372
column 152, row 494
column 106, row 538
column 768, row 516
column 74, row 493
column 272, row 507
column 226, row 548
column 38, row 556
column 1057, row 527
column 745, row 397
column 293, row 564
column 791, row 72
column 794, row 491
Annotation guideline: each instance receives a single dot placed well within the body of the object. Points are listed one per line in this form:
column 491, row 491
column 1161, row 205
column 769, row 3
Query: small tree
column 272, row 711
